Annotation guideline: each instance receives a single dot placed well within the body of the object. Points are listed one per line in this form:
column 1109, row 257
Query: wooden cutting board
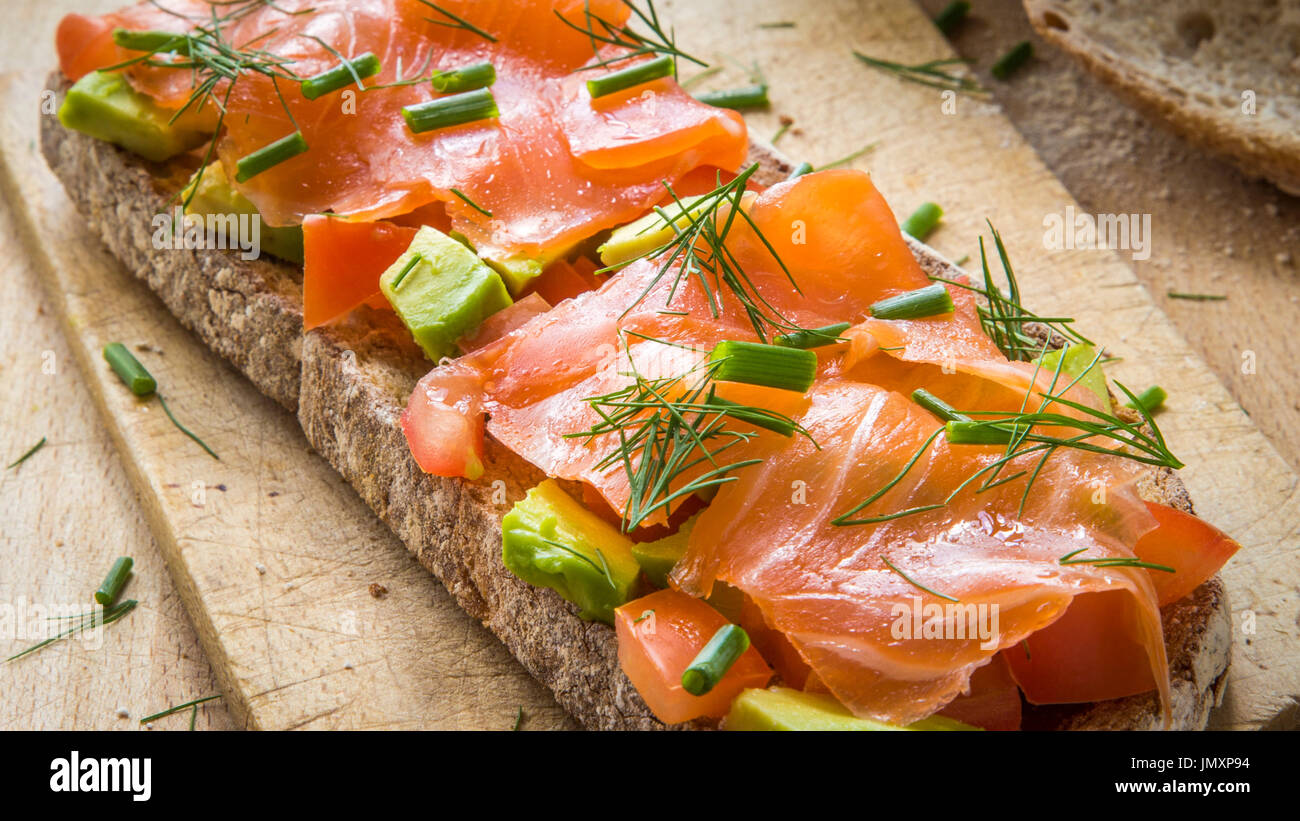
column 273, row 555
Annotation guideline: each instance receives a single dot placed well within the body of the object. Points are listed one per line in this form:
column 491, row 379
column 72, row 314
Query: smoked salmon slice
column 555, row 168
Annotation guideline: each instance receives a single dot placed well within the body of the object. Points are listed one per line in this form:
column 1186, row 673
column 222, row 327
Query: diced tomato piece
column 1094, row 652
column 503, row 322
column 443, row 423
column 658, row 648
column 343, row 261
column 994, row 699
column 773, row 645
column 1194, row 549
column 560, row 281
column 84, row 44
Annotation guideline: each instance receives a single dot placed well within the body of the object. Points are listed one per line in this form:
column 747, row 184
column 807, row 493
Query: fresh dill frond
column 603, row 32
column 931, row 73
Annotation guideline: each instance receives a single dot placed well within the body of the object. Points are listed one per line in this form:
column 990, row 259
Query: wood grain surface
column 305, row 644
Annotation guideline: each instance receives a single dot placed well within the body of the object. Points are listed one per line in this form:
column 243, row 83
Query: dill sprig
column 931, row 73
column 917, row 584
column 600, row 31
column 30, row 451
column 85, row 621
column 1113, row 561
column 1005, row 319
column 178, row 708
column 456, row 22
column 602, row 567
column 465, row 198
column 698, row 250
column 1034, row 434
column 669, row 427
column 213, row 61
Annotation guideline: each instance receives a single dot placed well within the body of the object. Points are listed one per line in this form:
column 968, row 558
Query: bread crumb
column 261, row 569
column 378, row 590
column 122, row 712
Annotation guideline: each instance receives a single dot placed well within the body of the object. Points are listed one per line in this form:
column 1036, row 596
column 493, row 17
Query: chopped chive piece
column 270, row 156
column 464, row 78
column 519, row 719
column 471, row 203
column 968, row 432
column 923, row 221
column 738, row 99
column 624, row 79
column 114, row 581
column 713, row 662
column 15, row 463
column 171, row 710
column 1012, row 60
column 812, row 337
column 773, row 366
column 952, row 16
column 928, row 301
column 1197, row 297
column 457, row 109
column 152, row 41
column 1149, row 400
column 937, row 406
column 129, row 369
column 406, row 269
column 800, row 169
column 349, row 71
column 186, row 430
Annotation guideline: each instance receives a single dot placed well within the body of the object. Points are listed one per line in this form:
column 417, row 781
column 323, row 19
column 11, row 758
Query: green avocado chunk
column 517, row 272
column 781, row 708
column 104, row 106
column 441, row 291
column 658, row 558
column 1077, row 359
column 216, row 196
column 550, row 540
column 649, row 232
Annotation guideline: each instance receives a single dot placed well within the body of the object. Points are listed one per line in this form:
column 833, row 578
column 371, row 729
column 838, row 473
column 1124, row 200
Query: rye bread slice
column 1188, row 65
column 348, row 384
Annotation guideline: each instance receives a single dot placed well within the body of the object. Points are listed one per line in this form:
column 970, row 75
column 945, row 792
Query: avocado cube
column 651, row 231
column 781, row 708
column 104, row 106
column 517, row 272
column 215, row 195
column 658, row 558
column 1077, row 359
column 441, row 291
column 551, row 540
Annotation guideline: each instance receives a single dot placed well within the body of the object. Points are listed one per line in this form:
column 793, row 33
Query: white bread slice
column 348, row 384
column 1197, row 67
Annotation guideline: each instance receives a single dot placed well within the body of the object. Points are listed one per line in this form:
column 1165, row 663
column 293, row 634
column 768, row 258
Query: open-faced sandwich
column 702, row 437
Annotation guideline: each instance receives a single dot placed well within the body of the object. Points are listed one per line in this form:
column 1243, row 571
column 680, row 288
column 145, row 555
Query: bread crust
column 348, row 383
column 1271, row 153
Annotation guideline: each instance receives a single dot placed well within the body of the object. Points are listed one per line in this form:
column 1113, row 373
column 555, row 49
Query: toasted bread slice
column 348, row 384
column 1221, row 74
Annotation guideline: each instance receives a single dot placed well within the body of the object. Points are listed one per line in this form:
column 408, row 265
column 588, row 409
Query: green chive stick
column 1008, row 63
column 114, row 581
column 774, row 366
column 1150, row 400
column 634, row 75
column 715, row 660
column 812, row 337
column 269, row 156
column 129, row 369
column 464, row 78
column 458, row 109
column 738, row 99
column 952, row 16
column 348, row 71
column 923, row 221
column 928, row 301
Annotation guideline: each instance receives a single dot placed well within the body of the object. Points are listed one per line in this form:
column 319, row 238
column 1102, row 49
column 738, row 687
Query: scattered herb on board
column 1011, row 62
column 602, row 32
column 179, row 708
column 30, row 451
column 1197, row 297
column 105, row 596
column 142, row 384
column 931, row 73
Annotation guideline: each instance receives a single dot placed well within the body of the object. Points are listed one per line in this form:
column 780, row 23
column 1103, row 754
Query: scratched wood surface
column 305, row 645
